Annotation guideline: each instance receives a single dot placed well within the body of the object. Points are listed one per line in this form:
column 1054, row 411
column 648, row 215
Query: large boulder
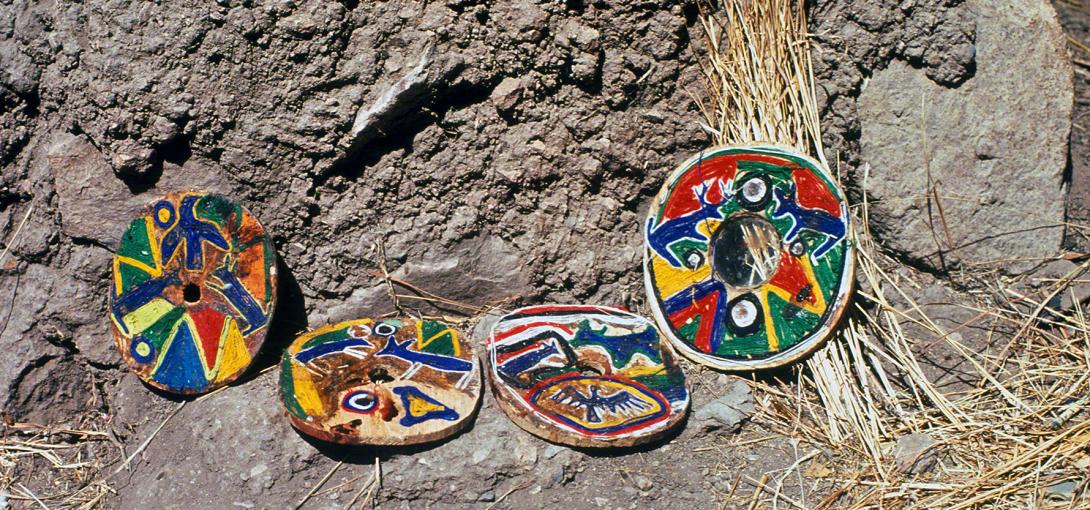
column 974, row 175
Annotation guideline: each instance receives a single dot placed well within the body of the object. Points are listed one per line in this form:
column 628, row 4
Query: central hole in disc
column 745, row 251
column 379, row 375
column 191, row 293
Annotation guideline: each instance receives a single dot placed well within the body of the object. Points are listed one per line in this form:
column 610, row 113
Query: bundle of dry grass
column 758, row 75
column 65, row 458
column 1017, row 438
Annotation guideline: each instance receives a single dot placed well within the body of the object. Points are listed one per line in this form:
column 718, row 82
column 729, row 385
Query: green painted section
column 768, row 169
column 270, row 263
column 135, row 243
column 688, row 331
column 330, row 336
column 131, row 276
column 663, row 380
column 158, row 332
column 754, row 344
column 801, row 324
column 443, row 345
column 217, row 209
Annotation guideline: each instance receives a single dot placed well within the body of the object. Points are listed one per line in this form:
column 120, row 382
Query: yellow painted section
column 770, row 326
column 142, row 318
column 421, row 342
column 670, row 280
column 235, row 356
column 639, row 370
column 707, row 227
column 420, row 407
column 819, row 305
column 305, row 392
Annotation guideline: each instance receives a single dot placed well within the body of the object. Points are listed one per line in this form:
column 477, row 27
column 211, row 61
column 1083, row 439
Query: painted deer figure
column 815, row 220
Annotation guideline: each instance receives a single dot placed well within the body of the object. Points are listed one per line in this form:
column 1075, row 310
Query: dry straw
column 1013, row 436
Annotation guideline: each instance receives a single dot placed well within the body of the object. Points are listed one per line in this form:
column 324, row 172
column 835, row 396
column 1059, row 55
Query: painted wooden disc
column 381, row 382
column 749, row 258
column 193, row 291
column 589, row 376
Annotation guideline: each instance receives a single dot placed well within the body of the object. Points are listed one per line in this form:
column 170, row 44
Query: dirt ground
column 496, row 155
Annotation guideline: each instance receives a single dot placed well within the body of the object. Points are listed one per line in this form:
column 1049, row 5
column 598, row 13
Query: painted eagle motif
column 594, row 403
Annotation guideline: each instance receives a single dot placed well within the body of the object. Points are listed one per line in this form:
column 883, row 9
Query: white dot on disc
column 754, row 190
column 744, row 313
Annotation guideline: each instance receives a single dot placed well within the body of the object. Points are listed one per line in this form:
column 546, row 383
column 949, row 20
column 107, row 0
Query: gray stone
column 643, row 483
column 507, row 95
column 915, row 453
column 93, row 203
column 993, row 149
column 401, row 96
column 727, row 412
column 1063, row 491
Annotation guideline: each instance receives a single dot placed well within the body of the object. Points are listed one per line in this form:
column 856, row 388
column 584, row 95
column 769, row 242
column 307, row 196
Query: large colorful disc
column 194, row 288
column 587, row 376
column 381, row 382
column 749, row 257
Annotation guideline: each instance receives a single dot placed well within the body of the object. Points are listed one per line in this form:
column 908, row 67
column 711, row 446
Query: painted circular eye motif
column 385, row 329
column 411, row 382
column 776, row 229
column 142, row 350
column 589, row 376
column 360, row 401
column 194, row 288
column 753, row 194
column 163, row 213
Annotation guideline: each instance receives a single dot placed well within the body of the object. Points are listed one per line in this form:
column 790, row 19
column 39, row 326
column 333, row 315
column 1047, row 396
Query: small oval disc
column 589, row 376
column 193, row 291
column 748, row 258
column 381, row 382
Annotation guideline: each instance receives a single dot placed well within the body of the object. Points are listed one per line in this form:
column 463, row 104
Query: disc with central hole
column 381, row 382
column 193, row 291
column 586, row 375
column 749, row 259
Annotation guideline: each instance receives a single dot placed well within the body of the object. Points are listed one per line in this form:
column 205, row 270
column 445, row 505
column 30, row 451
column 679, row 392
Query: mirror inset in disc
column 745, row 251
column 748, row 260
column 587, row 376
column 194, row 287
column 381, row 382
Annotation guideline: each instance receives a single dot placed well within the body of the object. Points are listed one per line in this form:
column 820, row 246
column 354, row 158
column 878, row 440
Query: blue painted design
column 436, row 361
column 328, row 348
column 181, row 367
column 814, row 220
column 660, row 237
column 621, row 348
column 594, row 403
column 139, row 296
column 408, row 393
column 523, row 362
column 564, row 389
column 240, row 299
column 685, row 298
column 135, row 352
column 194, row 233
